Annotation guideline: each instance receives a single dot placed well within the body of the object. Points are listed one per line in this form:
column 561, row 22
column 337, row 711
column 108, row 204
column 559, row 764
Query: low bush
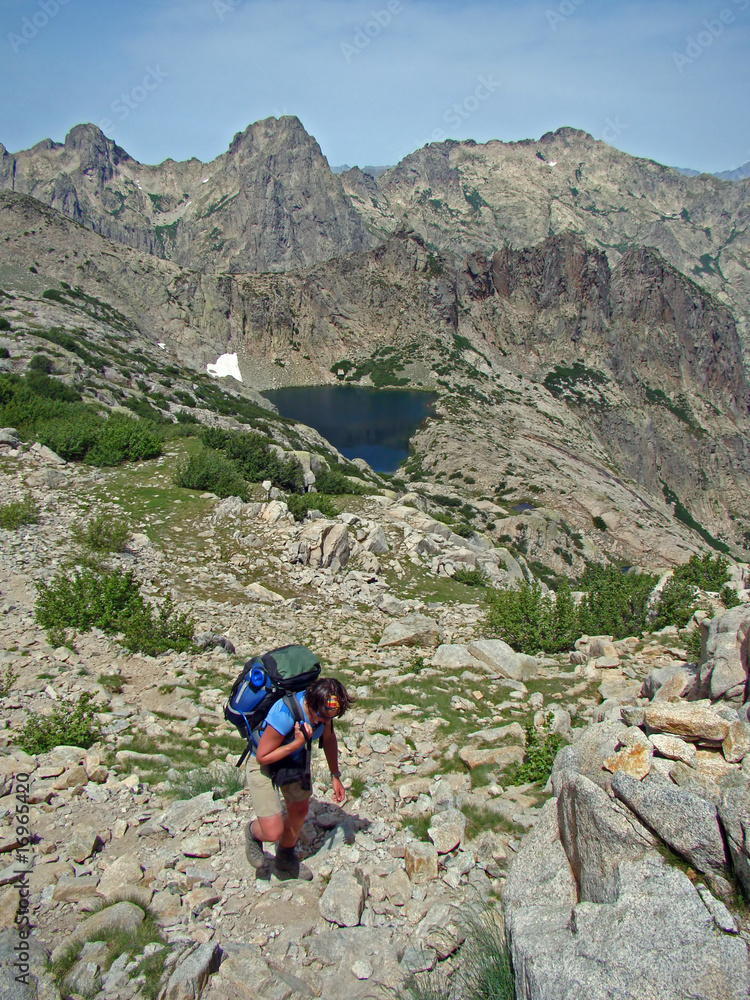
column 336, row 483
column 102, row 533
column 616, row 603
column 300, row 504
column 471, row 577
column 210, row 470
column 729, row 597
column 693, row 645
column 541, row 749
column 70, row 724
column 41, row 363
column 15, row 514
column 110, row 600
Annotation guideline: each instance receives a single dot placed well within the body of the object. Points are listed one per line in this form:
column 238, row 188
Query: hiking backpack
column 264, row 680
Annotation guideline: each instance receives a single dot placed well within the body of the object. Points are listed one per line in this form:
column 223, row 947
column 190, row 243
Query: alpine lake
column 373, row 424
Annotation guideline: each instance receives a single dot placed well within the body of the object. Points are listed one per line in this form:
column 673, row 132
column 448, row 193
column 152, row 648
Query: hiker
column 288, row 742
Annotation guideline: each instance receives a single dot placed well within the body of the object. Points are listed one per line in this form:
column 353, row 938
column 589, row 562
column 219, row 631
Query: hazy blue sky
column 372, row 81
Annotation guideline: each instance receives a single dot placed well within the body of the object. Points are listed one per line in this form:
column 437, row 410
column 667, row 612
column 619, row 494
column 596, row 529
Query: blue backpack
column 264, row 680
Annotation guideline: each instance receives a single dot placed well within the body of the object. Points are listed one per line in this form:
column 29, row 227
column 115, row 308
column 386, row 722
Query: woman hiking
column 284, row 744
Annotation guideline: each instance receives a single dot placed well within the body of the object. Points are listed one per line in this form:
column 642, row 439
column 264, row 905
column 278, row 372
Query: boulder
column 693, row 720
column 413, row 630
column 502, row 660
column 632, row 760
column 421, row 861
column 734, row 815
column 452, row 656
column 192, row 972
column 501, row 756
column 684, row 821
column 598, row 835
column 673, row 681
column 585, row 755
column 656, row 939
column 724, row 673
column 673, row 748
column 736, row 744
column 344, row 899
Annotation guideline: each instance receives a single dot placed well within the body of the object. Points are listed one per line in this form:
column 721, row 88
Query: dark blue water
column 374, row 424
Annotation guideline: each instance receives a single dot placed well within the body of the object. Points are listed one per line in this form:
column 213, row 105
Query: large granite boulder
column 724, row 673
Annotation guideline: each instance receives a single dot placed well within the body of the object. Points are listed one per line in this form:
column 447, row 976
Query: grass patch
column 102, row 533
column 221, row 779
column 15, row 514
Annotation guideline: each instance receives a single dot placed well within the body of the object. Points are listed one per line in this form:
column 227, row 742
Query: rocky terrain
column 594, row 392
column 652, row 789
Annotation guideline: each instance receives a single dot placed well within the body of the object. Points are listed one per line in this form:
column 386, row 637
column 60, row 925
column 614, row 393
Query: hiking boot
column 289, row 864
column 253, row 848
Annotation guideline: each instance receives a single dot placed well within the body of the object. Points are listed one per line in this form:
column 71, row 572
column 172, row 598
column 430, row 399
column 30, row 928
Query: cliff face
column 270, row 203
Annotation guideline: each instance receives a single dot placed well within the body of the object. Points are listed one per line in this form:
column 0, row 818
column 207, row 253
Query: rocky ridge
column 439, row 716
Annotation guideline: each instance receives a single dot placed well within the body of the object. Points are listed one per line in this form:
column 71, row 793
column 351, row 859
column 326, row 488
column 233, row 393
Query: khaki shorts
column 266, row 798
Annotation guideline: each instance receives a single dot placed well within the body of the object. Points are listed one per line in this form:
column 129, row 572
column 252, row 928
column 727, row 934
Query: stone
column 597, row 836
column 376, row 542
column 684, row 821
column 514, row 730
column 192, row 972
column 84, row 979
column 125, row 917
column 500, row 756
column 362, row 969
column 722, row 917
column 120, row 875
column 592, row 745
column 734, row 815
column 421, row 862
column 413, row 630
column 688, row 719
column 343, row 900
column 673, row 748
column 200, row 847
column 713, row 764
column 82, row 842
column 74, row 890
column 447, row 830
column 502, row 660
column 736, row 744
column 680, row 680
column 632, row 760
column 397, row 887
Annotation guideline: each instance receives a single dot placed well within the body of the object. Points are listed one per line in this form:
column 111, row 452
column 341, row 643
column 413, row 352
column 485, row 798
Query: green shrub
column 4, row 325
column 4, row 352
column 110, row 682
column 616, row 603
column 70, row 724
column 464, row 530
column 103, row 533
column 41, row 363
column 707, row 572
column 210, row 470
column 110, row 600
column 19, row 512
column 335, row 483
column 529, row 621
column 599, row 523
column 301, row 503
column 254, row 458
column 729, row 597
column 123, row 439
column 541, row 750
column 676, row 605
column 7, row 680
column 693, row 645
column 471, row 577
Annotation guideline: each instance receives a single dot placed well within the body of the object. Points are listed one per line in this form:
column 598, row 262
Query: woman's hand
column 339, row 792
column 301, row 734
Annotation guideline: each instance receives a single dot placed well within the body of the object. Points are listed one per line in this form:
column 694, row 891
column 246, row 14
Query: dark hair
column 324, row 688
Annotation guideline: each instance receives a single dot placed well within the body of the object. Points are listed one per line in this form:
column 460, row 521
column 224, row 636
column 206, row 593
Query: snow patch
column 226, row 365
column 163, row 346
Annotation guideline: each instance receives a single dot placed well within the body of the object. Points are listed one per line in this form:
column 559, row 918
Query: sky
column 373, row 80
